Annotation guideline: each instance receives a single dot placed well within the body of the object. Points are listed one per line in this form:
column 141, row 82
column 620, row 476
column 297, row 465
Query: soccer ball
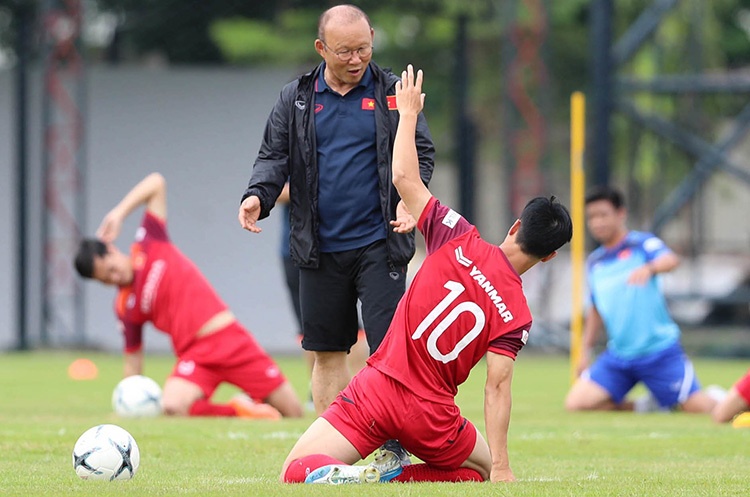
column 137, row 397
column 106, row 452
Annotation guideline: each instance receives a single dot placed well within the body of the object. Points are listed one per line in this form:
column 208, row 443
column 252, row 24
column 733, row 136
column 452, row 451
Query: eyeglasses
column 346, row 55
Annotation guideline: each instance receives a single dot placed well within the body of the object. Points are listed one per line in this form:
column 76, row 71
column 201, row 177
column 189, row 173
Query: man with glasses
column 331, row 134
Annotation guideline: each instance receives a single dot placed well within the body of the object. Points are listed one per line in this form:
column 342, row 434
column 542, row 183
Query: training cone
column 742, row 420
column 83, row 369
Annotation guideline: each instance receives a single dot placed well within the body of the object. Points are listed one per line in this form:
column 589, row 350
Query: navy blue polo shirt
column 348, row 187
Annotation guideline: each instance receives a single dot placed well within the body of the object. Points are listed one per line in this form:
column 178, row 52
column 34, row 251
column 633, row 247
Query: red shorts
column 743, row 387
column 231, row 355
column 375, row 408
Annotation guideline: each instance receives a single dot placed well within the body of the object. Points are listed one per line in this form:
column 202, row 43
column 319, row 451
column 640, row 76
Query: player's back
column 465, row 298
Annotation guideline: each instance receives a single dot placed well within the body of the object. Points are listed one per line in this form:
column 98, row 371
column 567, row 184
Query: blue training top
column 636, row 317
column 349, row 211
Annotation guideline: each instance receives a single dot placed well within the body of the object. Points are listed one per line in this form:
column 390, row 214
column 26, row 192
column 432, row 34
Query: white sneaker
column 338, row 474
column 646, row 403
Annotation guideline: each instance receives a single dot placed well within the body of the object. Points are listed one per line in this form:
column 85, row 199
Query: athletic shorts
column 233, row 356
column 668, row 374
column 329, row 294
column 375, row 408
column 743, row 387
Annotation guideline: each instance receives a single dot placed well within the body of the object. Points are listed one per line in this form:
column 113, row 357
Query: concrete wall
column 201, row 128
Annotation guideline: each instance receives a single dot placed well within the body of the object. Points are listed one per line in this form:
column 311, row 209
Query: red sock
column 298, row 469
column 203, row 407
column 423, row 472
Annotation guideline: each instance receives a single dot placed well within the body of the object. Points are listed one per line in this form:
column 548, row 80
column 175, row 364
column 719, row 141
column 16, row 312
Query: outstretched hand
column 109, row 228
column 249, row 214
column 409, row 96
column 404, row 222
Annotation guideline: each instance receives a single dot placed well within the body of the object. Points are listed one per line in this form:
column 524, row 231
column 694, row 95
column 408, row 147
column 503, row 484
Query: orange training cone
column 83, row 369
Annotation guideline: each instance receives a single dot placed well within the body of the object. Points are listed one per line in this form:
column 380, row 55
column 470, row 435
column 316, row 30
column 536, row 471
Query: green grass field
column 553, row 453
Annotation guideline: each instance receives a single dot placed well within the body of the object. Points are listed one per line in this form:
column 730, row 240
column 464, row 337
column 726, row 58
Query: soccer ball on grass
column 137, row 397
column 106, row 452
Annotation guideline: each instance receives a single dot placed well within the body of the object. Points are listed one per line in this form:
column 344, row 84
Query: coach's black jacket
column 288, row 151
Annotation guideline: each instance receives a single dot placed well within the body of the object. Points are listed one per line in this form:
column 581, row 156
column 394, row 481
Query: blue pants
column 668, row 374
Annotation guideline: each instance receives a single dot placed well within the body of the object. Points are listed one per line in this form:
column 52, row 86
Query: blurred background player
column 465, row 303
column 157, row 283
column 627, row 301
column 736, row 401
column 330, row 134
column 359, row 352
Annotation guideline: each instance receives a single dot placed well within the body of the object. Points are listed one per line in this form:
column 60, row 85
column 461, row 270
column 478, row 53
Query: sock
column 203, row 407
column 298, row 469
column 423, row 472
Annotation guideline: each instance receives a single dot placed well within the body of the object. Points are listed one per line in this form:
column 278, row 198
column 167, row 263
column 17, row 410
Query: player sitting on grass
column 157, row 283
column 465, row 303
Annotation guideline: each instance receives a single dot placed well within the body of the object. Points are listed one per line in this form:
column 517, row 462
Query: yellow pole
column 577, row 245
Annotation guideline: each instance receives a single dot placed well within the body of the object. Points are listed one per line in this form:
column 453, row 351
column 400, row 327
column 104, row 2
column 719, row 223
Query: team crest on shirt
column 451, row 218
column 139, row 260
column 624, row 254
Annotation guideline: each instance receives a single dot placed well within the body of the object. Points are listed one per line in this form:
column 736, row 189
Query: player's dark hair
column 88, row 250
column 351, row 13
column 608, row 193
column 545, row 227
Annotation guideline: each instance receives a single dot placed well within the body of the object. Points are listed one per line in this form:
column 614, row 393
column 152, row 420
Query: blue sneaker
column 339, row 474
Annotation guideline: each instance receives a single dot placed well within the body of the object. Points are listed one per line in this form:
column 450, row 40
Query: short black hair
column 88, row 250
column 545, row 227
column 608, row 193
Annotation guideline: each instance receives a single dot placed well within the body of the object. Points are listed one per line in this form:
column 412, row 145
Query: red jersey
column 466, row 299
column 167, row 289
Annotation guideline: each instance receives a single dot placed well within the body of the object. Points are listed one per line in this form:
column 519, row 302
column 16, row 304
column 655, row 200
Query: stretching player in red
column 157, row 283
column 466, row 302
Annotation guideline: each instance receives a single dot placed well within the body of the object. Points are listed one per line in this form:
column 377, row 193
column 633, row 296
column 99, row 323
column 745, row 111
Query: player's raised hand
column 409, row 96
column 109, row 228
column 249, row 214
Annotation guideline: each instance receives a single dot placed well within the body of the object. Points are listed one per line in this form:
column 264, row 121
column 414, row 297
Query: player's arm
column 133, row 363
column 497, row 403
column 406, row 173
column 151, row 191
column 663, row 261
column 592, row 327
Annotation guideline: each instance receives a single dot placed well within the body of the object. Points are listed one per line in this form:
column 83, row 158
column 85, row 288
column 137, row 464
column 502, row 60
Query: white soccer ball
column 137, row 397
column 106, row 452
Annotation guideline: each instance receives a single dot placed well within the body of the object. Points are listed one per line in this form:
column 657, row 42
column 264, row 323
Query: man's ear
column 549, row 257
column 514, row 229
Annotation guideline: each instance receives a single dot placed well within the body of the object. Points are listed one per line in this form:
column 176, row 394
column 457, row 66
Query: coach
column 331, row 133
